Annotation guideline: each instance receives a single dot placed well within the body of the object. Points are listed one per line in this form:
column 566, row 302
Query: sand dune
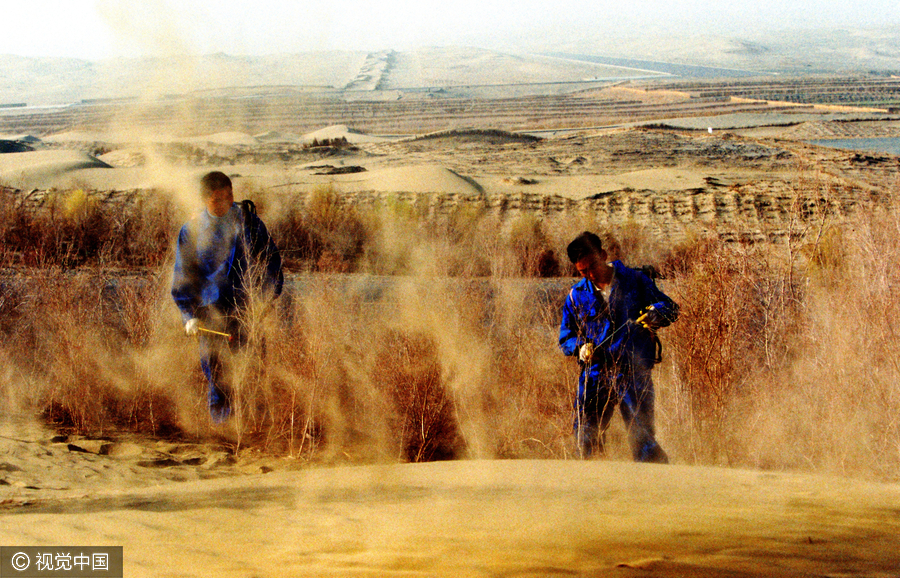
column 74, row 137
column 277, row 137
column 40, row 167
column 417, row 179
column 340, row 131
column 193, row 509
column 585, row 186
column 229, row 138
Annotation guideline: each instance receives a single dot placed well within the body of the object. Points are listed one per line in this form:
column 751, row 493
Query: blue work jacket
column 213, row 260
column 587, row 318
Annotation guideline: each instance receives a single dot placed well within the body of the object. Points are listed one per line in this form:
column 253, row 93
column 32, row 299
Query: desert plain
column 669, row 163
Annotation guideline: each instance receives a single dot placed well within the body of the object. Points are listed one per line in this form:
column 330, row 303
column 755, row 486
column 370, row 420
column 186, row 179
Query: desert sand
column 199, row 508
column 194, row 510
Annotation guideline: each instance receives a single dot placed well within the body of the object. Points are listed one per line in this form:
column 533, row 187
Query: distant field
column 524, row 107
column 851, row 90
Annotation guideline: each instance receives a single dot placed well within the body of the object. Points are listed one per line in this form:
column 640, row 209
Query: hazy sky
column 95, row 29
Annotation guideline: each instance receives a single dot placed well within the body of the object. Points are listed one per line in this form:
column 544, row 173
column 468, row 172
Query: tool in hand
column 205, row 330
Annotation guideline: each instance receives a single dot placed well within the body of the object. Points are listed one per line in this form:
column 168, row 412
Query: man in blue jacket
column 223, row 257
column 609, row 323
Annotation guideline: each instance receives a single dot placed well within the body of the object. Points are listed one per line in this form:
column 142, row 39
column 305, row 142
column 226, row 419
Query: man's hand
column 653, row 320
column 192, row 326
column 586, row 352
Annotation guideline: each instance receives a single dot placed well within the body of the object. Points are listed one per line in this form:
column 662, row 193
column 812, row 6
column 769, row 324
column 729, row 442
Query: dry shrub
column 338, row 230
column 393, row 236
column 77, row 228
column 324, row 234
column 529, row 249
column 635, row 243
column 145, row 230
column 305, row 381
column 77, row 357
column 784, row 356
column 396, row 247
column 310, row 400
column 787, row 359
column 407, row 371
column 734, row 327
column 826, row 255
column 12, row 307
column 459, row 242
column 533, row 383
column 837, row 413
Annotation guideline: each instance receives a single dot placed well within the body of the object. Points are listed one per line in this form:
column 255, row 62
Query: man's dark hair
column 584, row 245
column 213, row 181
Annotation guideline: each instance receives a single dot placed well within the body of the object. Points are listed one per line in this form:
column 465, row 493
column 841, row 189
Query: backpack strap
column 248, row 209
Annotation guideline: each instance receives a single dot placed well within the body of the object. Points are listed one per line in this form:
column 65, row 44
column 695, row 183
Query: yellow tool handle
column 228, row 335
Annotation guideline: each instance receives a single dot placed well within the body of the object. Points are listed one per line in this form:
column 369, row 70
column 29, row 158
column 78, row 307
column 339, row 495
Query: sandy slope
column 383, row 167
column 37, row 167
column 481, row 518
column 192, row 509
column 338, row 132
column 68, row 168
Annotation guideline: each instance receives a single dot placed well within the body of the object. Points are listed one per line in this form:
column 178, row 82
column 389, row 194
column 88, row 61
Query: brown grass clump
column 82, row 228
column 838, row 415
column 75, row 345
column 735, row 328
column 322, row 234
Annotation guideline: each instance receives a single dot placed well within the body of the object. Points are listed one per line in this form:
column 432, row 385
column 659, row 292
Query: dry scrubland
column 441, row 341
column 421, row 310
column 419, row 322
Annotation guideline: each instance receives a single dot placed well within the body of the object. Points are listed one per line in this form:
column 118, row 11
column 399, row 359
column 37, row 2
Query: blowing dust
column 773, row 364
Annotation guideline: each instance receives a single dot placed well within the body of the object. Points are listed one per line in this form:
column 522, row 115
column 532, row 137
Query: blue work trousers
column 215, row 351
column 600, row 391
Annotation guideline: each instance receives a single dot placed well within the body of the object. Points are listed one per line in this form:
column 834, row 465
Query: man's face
column 593, row 267
column 219, row 202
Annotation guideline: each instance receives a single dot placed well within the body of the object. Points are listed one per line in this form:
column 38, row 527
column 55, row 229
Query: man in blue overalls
column 224, row 254
column 609, row 322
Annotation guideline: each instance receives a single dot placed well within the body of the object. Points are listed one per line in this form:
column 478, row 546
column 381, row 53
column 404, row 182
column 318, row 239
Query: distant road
column 889, row 145
column 682, row 70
